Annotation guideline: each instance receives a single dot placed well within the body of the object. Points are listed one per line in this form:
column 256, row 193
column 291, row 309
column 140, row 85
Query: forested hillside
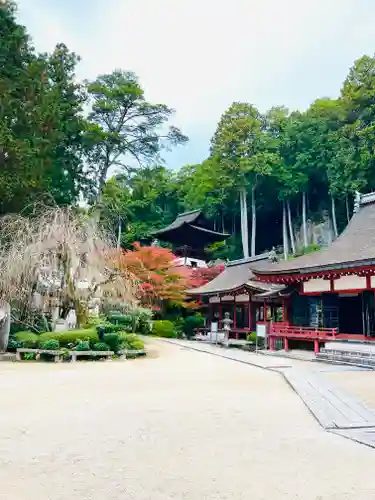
column 278, row 168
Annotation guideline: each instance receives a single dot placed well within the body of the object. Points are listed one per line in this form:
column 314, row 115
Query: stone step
column 349, row 359
column 334, row 352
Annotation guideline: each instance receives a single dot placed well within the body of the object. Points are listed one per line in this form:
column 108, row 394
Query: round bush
column 113, row 340
column 83, row 345
column 13, row 345
column 164, row 328
column 50, row 345
column 27, row 339
column 101, row 346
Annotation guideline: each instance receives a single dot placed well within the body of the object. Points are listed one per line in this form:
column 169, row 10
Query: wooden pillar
column 220, row 313
column 316, row 346
column 285, row 311
column 249, row 312
column 286, row 345
column 272, row 344
column 264, row 311
column 235, row 315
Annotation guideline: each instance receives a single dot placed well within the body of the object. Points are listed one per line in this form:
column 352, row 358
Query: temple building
column 190, row 234
column 328, row 294
column 237, row 292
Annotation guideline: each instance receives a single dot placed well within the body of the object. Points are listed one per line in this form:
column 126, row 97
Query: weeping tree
column 55, row 261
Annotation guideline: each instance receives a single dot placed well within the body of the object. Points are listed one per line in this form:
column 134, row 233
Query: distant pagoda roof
column 190, row 229
column 354, row 248
column 237, row 276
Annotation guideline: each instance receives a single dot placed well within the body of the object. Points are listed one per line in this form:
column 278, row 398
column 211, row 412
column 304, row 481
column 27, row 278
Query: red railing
column 284, row 330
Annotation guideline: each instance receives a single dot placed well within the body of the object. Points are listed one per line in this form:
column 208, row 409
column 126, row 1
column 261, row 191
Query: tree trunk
column 334, row 221
column 253, row 222
column 285, row 233
column 291, row 232
column 347, row 208
column 222, row 222
column 119, row 233
column 304, row 222
column 244, row 224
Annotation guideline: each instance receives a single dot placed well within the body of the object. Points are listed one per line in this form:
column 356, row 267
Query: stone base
column 7, row 356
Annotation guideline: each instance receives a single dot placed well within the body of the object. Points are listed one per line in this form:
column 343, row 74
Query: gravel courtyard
column 179, row 425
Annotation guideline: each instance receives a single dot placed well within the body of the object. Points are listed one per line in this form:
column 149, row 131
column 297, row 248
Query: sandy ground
column 361, row 384
column 183, row 425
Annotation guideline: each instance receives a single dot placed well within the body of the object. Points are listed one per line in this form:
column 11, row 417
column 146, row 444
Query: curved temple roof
column 354, row 247
column 187, row 228
column 235, row 276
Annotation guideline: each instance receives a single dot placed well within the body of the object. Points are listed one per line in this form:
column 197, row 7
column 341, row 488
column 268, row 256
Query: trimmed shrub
column 164, row 328
column 192, row 323
column 126, row 320
column 109, row 328
column 113, row 340
column 27, row 339
column 13, row 345
column 131, row 341
column 252, row 337
column 50, row 345
column 83, row 345
column 71, row 337
column 101, row 346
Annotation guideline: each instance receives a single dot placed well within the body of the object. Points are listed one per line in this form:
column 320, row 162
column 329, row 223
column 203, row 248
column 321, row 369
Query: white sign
column 261, row 330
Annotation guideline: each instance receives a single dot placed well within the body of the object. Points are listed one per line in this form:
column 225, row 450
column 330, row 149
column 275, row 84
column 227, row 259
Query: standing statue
column 4, row 325
column 227, row 322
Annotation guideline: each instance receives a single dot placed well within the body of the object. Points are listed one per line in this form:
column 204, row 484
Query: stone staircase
column 348, row 353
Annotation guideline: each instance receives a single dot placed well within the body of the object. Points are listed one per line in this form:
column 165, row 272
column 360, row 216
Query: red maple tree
column 160, row 280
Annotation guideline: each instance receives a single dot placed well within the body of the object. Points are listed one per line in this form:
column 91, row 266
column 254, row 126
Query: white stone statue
column 227, row 324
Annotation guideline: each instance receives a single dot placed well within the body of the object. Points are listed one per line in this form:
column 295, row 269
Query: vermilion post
column 316, row 346
column 286, row 345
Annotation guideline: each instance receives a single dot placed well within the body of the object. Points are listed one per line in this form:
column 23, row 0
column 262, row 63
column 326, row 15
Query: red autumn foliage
column 202, row 275
column 160, row 281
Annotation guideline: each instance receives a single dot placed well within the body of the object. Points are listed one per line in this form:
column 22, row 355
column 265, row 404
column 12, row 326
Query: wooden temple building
column 190, row 234
column 236, row 291
column 329, row 294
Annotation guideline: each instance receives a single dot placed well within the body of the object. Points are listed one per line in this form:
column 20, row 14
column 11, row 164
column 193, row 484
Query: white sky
column 200, row 56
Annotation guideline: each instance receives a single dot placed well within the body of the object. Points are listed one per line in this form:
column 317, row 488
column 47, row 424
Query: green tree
column 40, row 121
column 241, row 146
column 124, row 128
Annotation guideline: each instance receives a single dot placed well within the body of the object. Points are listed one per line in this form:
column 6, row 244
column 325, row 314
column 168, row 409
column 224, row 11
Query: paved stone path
column 335, row 410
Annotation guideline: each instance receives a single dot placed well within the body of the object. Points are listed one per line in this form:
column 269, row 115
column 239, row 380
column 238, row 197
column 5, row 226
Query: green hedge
column 101, row 346
column 27, row 339
column 164, row 328
column 71, row 337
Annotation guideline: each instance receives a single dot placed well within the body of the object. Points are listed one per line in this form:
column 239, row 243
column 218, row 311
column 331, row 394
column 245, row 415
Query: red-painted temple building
column 329, row 294
column 236, row 291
